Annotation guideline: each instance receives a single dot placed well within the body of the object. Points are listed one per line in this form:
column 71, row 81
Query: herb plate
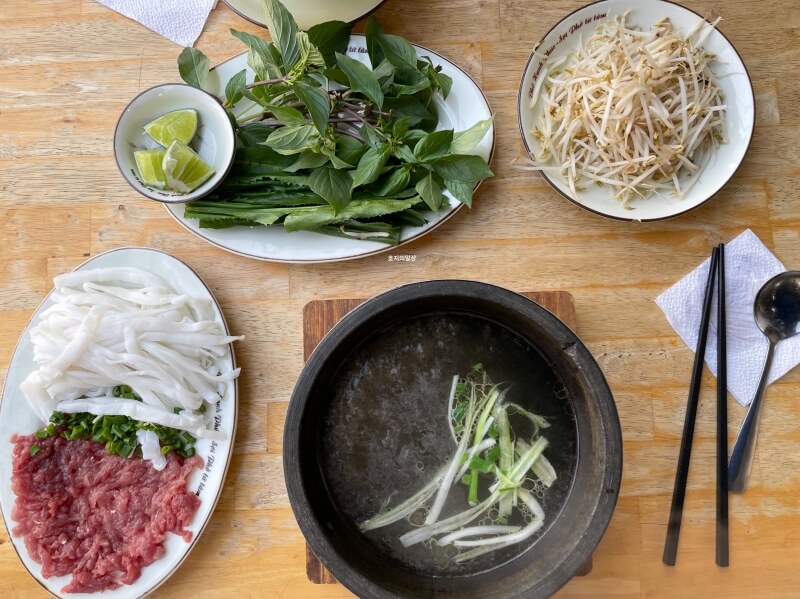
column 732, row 77
column 16, row 417
column 465, row 106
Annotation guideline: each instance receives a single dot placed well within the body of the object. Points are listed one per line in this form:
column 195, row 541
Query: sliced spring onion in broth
column 488, row 446
column 636, row 111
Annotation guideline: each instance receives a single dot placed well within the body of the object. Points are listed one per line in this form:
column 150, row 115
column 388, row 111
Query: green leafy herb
column 193, row 67
column 332, row 144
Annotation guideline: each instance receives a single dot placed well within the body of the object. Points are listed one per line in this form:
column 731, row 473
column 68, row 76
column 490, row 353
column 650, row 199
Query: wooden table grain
column 68, row 68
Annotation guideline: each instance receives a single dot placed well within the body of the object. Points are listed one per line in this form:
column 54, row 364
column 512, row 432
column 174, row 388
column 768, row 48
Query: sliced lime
column 149, row 162
column 180, row 125
column 184, row 170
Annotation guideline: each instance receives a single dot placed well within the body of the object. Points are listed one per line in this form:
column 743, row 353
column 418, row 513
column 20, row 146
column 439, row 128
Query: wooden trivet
column 319, row 316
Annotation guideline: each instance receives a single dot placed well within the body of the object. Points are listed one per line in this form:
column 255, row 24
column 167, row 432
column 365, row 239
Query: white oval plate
column 17, row 417
column 465, row 106
column 729, row 69
column 307, row 13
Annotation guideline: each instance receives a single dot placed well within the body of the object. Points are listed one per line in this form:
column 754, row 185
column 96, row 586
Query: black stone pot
column 589, row 500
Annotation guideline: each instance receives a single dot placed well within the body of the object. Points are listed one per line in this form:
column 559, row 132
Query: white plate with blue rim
column 464, row 106
column 16, row 417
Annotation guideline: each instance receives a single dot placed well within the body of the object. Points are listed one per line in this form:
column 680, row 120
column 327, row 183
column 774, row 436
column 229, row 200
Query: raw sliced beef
column 99, row 517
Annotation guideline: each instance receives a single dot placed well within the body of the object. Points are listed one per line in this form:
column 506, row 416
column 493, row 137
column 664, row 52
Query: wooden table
column 68, row 68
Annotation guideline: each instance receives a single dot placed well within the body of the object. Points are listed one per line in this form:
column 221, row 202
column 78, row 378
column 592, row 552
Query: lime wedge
column 184, row 170
column 180, row 125
column 148, row 162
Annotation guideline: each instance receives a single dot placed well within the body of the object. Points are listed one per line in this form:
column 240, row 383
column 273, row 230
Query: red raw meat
column 99, row 517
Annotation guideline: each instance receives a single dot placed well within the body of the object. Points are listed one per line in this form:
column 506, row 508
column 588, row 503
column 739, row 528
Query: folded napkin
column 181, row 21
column 748, row 265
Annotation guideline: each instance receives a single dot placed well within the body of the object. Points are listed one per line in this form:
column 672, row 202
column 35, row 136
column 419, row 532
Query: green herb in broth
column 488, row 446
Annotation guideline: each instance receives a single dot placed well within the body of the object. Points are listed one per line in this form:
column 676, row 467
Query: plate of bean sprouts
column 636, row 111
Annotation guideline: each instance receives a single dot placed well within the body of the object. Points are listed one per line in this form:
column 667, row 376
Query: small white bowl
column 214, row 141
column 732, row 78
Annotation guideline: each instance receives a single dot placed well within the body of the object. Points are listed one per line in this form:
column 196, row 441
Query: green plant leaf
column 444, row 82
column 262, row 57
column 398, row 50
column 193, row 67
column 330, row 38
column 430, row 192
column 292, row 140
column 433, row 145
column 462, row 168
column 370, row 135
column 371, row 164
column 404, row 153
column 371, row 31
column 461, row 190
column 283, row 29
column 233, row 89
column 465, row 141
column 349, row 150
column 317, row 103
column 361, row 77
column 309, row 53
column 411, row 108
column 291, row 117
column 254, row 134
column 400, row 128
column 313, row 217
column 394, row 183
column 385, row 75
column 332, row 185
column 308, row 160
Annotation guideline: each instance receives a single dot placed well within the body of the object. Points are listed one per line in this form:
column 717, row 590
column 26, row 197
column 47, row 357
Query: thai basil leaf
column 349, row 150
column 433, row 145
column 396, row 182
column 317, row 102
column 308, row 160
column 337, row 76
column 465, row 141
column 400, row 128
column 405, row 154
column 372, row 30
column 371, row 164
column 385, row 75
column 284, row 30
column 462, row 168
column 411, row 108
column 233, row 89
column 408, row 81
column 412, row 137
column 193, row 67
column 398, row 50
column 444, row 82
column 262, row 56
column 292, row 140
column 430, row 192
column 291, row 117
column 330, row 38
column 461, row 190
column 361, row 77
column 370, row 135
column 334, row 186
column 309, row 53
column 253, row 134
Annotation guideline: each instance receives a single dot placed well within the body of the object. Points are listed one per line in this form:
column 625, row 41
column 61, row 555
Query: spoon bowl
column 777, row 313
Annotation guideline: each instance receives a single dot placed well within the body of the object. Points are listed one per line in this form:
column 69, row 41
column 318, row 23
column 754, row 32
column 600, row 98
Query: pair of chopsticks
column 716, row 270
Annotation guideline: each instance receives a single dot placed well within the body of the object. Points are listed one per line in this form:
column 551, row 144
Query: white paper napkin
column 748, row 265
column 181, row 21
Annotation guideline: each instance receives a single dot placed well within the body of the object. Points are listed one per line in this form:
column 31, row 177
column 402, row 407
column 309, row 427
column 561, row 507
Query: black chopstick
column 682, row 472
column 722, row 416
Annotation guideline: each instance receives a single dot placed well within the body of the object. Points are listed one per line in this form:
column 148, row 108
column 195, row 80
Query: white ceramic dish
column 214, row 141
column 17, row 417
column 308, row 13
column 729, row 69
column 465, row 106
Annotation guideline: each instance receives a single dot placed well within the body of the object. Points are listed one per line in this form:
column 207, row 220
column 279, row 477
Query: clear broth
column 386, row 433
